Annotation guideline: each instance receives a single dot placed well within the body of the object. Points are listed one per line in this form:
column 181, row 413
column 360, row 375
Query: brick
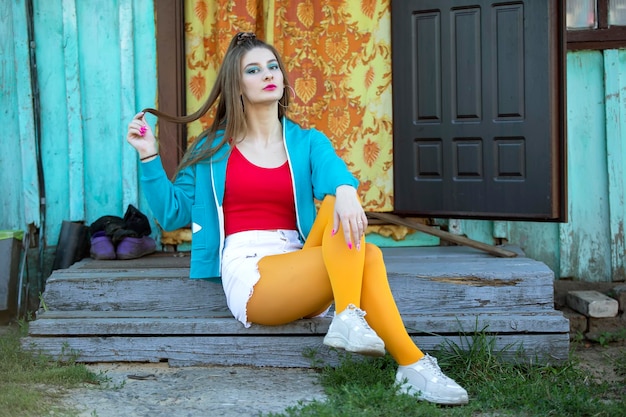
column 610, row 324
column 619, row 293
column 592, row 303
column 607, row 328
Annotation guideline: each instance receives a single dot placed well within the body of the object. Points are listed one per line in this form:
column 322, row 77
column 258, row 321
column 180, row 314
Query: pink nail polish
column 350, row 245
column 332, row 232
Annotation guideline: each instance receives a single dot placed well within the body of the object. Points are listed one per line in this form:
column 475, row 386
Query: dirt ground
column 139, row 390
column 135, row 390
column 599, row 360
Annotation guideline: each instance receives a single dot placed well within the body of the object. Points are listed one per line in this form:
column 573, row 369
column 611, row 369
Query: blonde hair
column 229, row 114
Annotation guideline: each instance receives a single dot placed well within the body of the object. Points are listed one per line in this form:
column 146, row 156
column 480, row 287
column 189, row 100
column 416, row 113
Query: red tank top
column 257, row 198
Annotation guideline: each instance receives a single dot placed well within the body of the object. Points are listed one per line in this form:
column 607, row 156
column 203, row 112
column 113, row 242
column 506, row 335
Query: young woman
column 247, row 187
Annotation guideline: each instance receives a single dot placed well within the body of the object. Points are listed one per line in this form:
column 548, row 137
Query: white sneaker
column 350, row 331
column 425, row 380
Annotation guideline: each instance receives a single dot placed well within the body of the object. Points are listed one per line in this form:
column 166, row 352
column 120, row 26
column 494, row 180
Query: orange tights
column 305, row 282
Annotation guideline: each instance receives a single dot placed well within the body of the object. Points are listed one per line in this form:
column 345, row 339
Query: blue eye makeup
column 254, row 69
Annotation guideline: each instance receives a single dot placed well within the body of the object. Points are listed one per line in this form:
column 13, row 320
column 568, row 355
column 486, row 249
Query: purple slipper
column 101, row 246
column 135, row 247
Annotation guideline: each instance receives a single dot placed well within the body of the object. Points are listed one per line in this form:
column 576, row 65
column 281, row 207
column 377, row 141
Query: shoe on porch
column 425, row 381
column 101, row 247
column 349, row 330
column 135, row 247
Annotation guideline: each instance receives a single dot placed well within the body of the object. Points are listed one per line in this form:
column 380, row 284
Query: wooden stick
column 447, row 236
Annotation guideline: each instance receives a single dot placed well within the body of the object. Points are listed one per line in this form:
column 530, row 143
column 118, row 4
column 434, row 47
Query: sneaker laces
column 360, row 314
column 433, row 366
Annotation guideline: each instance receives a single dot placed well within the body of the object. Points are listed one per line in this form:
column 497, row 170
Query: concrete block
column 619, row 293
column 592, row 303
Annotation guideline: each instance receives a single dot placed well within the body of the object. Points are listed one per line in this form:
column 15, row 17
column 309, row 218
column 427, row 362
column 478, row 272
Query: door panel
column 479, row 109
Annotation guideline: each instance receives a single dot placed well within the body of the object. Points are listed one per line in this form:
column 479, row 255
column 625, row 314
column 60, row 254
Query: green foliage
column 499, row 383
column 31, row 384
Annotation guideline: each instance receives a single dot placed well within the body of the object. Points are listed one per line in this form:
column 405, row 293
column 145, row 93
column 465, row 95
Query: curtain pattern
column 338, row 57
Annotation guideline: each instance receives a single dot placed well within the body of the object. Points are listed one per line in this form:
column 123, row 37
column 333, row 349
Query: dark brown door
column 478, row 109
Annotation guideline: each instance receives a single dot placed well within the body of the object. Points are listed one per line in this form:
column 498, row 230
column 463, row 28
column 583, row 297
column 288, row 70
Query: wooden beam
column 170, row 38
column 447, row 236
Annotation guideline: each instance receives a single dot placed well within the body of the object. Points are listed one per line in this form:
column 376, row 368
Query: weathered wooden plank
column 145, row 88
column 129, row 175
column 285, row 351
column 75, row 138
column 584, row 252
column 100, row 63
column 126, row 291
column 55, row 95
column 615, row 110
column 422, row 281
column 162, row 290
column 21, row 64
column 11, row 212
column 138, row 323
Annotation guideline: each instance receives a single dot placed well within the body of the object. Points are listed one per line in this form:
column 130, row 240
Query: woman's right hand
column 145, row 143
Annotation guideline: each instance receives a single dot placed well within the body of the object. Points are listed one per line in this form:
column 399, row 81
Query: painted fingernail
column 350, row 245
column 143, row 130
column 332, row 232
column 358, row 246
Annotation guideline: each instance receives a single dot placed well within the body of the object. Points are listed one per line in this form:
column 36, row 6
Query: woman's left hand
column 350, row 214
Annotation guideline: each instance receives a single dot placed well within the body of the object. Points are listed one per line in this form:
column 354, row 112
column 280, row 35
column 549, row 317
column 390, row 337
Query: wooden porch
column 148, row 310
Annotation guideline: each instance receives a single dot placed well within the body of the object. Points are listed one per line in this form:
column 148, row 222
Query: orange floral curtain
column 338, row 57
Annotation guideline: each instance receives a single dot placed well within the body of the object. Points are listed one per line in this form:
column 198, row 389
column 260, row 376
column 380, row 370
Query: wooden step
column 142, row 324
column 149, row 310
column 269, row 350
column 221, row 340
column 422, row 282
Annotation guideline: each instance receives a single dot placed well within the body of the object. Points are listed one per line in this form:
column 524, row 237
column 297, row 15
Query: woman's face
column 261, row 77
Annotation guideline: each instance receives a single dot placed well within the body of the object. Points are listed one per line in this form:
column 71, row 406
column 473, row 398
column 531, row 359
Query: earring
column 293, row 92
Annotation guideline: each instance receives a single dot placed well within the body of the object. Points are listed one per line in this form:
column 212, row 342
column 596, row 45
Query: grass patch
column 30, row 384
column 620, row 366
column 364, row 387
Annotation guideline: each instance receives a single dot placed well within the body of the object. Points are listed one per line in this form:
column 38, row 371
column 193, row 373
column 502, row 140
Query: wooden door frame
column 171, row 98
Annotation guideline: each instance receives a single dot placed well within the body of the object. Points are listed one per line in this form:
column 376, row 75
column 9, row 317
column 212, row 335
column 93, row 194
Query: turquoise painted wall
column 19, row 202
column 96, row 66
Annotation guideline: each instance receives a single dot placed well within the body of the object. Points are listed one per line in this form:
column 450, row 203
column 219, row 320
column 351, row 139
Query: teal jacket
column 196, row 196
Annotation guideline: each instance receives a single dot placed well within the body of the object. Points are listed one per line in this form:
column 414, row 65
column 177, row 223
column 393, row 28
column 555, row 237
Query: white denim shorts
column 240, row 273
